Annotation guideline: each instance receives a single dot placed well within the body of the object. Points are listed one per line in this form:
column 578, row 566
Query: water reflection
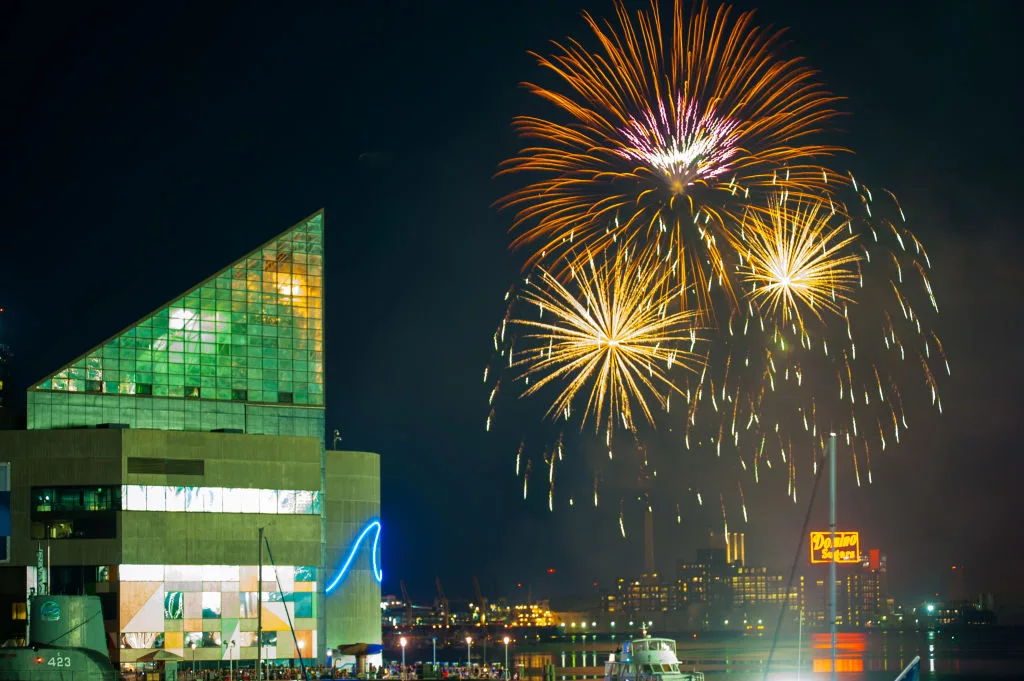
column 861, row 656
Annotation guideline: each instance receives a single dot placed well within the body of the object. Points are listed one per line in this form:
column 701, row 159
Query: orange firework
column 670, row 135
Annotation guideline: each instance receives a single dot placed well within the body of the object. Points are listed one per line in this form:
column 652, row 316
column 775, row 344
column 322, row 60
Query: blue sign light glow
column 377, row 573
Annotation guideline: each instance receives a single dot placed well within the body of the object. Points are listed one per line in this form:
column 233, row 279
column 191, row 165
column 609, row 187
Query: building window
column 76, row 499
column 96, row 526
column 19, row 612
column 220, row 500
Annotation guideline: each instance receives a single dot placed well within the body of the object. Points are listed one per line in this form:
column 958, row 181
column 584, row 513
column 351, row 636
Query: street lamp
column 469, row 655
column 401, row 642
column 231, row 659
column 433, row 641
column 193, row 646
column 505, row 641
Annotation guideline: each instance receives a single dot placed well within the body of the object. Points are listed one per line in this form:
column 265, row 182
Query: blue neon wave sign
column 377, row 573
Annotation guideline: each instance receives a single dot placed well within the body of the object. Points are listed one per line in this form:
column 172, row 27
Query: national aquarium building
column 152, row 461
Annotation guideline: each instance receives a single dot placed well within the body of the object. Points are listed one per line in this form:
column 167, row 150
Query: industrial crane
column 480, row 600
column 408, row 603
column 442, row 602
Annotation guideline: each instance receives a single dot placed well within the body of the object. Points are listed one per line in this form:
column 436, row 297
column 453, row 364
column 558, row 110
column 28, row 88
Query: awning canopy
column 361, row 648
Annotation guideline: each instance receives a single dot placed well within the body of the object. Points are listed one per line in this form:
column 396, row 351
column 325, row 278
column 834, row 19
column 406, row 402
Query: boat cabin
column 648, row 659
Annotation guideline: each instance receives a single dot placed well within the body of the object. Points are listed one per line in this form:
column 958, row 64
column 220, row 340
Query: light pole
column 505, row 641
column 402, row 642
column 469, row 654
column 433, row 642
column 832, row 533
column 193, row 647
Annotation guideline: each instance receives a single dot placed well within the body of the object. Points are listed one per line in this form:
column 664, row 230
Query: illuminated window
column 175, row 499
column 156, row 498
column 268, row 501
column 211, row 605
column 212, row 500
column 251, row 333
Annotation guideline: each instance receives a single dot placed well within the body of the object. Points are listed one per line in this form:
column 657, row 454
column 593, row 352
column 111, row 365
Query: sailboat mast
column 259, row 610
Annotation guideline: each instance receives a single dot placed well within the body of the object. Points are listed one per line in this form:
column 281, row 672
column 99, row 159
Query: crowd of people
column 392, row 671
column 410, row 672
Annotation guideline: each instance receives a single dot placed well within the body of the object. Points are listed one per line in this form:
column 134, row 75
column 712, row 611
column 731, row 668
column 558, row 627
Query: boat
column 648, row 659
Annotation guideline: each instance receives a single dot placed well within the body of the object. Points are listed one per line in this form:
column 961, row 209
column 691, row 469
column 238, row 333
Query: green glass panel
column 251, row 333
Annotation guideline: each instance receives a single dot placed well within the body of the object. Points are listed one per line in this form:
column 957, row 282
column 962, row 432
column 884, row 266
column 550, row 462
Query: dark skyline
column 150, row 147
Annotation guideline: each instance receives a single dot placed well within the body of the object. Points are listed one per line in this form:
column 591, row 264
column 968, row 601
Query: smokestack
column 648, row 542
column 735, row 549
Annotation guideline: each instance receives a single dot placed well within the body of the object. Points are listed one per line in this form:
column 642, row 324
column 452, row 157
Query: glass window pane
column 214, row 499
column 156, row 498
column 286, row 501
column 141, row 573
column 220, row 573
column 303, row 502
column 211, row 604
column 232, row 500
column 134, row 498
column 184, row 573
column 175, row 498
column 194, row 500
column 268, row 501
column 250, row 500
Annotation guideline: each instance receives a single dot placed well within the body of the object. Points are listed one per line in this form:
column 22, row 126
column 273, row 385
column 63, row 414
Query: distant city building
column 755, row 586
column 737, row 550
column 152, row 460
column 645, row 595
column 958, row 584
column 532, row 615
column 716, row 590
column 862, row 594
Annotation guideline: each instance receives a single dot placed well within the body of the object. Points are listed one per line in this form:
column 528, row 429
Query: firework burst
column 798, row 256
column 680, row 199
column 610, row 334
column 669, row 132
column 778, row 380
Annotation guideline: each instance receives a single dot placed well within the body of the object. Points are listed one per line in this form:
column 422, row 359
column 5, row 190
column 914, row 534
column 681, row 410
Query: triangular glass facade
column 250, row 334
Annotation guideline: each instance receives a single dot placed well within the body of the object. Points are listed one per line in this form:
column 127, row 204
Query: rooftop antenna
column 337, row 438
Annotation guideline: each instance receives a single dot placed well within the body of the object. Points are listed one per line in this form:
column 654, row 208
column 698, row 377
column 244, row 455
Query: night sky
column 147, row 146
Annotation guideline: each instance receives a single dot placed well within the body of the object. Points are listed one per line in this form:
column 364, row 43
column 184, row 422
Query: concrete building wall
column 353, row 503
column 229, row 460
column 59, row 457
column 115, row 457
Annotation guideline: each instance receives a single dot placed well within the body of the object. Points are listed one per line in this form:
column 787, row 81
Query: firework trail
column 837, row 323
column 743, row 501
column 667, row 133
column 622, row 522
column 725, row 520
column 681, row 200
